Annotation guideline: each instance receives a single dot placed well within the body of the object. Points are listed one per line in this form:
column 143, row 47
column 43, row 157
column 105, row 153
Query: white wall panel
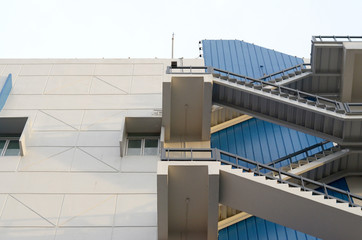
column 136, row 210
column 68, row 85
column 27, row 233
column 29, row 85
column 99, row 138
column 139, row 163
column 132, row 233
column 72, row 69
column 103, row 120
column 77, row 183
column 84, row 233
column 149, row 69
column 146, row 84
column 113, row 69
column 88, row 210
column 36, row 69
column 84, row 102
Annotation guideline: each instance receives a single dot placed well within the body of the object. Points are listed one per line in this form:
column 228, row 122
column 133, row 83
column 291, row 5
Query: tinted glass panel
column 13, row 148
column 151, row 147
column 134, row 147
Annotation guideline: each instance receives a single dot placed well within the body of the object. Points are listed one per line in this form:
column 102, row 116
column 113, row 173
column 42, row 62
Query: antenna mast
column 173, row 38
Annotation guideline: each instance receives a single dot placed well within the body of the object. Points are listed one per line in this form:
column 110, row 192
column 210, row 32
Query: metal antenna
column 173, row 38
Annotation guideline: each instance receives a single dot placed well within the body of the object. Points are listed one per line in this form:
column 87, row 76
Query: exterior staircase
column 247, row 186
column 305, row 112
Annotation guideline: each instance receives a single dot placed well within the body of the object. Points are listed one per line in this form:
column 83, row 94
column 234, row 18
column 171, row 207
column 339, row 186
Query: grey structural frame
column 214, row 154
column 289, row 157
column 347, row 38
column 300, row 96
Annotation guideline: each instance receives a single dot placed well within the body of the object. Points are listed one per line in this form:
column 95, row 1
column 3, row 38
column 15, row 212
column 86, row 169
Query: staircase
column 289, row 206
column 328, row 119
column 305, row 112
column 247, row 186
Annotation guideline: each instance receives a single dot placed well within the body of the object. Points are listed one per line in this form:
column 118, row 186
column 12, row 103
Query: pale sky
column 143, row 28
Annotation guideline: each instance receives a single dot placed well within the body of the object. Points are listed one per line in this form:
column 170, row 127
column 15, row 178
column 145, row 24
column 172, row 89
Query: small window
column 142, row 144
column 9, row 146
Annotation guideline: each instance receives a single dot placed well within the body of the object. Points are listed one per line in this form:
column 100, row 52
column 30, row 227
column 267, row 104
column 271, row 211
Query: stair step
column 223, row 77
column 233, row 80
column 294, row 165
column 319, row 155
column 266, row 89
column 258, row 87
column 304, row 70
column 340, row 111
column 303, row 162
column 291, row 74
column 272, row 81
column 298, row 72
column 330, row 108
column 336, row 149
column 302, row 100
column 321, row 105
column 240, row 82
column 216, row 75
column 311, row 159
column 285, row 77
column 327, row 152
column 293, row 97
column 275, row 92
column 286, row 168
column 249, row 84
column 284, row 94
column 278, row 79
column 312, row 103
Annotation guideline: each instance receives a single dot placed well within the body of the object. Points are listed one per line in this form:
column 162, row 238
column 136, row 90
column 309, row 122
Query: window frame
column 143, row 141
column 6, row 145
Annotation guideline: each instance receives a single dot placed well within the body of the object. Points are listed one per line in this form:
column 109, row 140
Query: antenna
column 173, row 38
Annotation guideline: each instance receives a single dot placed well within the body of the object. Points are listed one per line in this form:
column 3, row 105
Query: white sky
column 143, row 28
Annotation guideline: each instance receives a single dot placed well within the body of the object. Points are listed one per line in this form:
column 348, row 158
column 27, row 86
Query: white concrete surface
column 72, row 182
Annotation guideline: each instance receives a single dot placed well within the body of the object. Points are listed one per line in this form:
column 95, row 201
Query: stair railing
column 303, row 151
column 336, row 38
column 328, row 104
column 247, row 165
column 284, row 72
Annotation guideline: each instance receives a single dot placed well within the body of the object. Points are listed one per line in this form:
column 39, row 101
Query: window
column 142, row 144
column 9, row 146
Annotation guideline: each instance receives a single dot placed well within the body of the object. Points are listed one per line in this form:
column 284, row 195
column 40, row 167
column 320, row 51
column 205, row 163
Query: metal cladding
column 262, row 141
column 255, row 139
column 246, row 58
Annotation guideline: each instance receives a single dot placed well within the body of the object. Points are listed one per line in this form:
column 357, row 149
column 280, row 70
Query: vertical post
column 325, row 190
column 349, row 199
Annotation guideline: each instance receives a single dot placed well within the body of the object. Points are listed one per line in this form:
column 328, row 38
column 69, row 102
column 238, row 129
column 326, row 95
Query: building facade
column 81, row 143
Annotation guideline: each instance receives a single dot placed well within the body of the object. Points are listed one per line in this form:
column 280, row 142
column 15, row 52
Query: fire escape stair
column 268, row 102
column 289, row 206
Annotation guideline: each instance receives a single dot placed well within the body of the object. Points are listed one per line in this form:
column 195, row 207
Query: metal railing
column 300, row 96
column 286, row 71
column 336, row 38
column 247, row 165
column 303, row 152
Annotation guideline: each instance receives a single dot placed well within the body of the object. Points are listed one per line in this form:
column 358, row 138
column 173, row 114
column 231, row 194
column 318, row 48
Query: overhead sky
column 143, row 28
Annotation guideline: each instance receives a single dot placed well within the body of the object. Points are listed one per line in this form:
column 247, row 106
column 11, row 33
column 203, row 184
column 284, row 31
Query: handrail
column 339, row 107
column 215, row 154
column 305, row 150
column 336, row 38
column 295, row 68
